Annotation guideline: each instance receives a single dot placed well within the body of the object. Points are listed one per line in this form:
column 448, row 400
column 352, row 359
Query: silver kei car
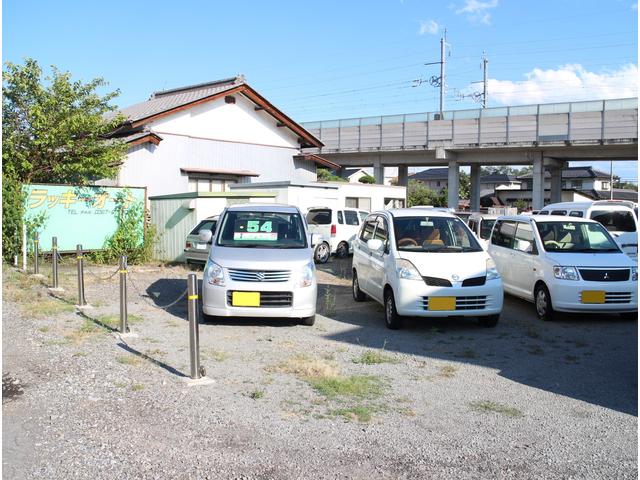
column 260, row 265
column 196, row 251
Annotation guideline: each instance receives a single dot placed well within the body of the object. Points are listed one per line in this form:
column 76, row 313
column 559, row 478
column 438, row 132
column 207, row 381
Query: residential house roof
column 573, row 172
column 442, row 173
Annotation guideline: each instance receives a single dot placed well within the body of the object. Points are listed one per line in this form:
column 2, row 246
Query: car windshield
column 615, row 220
column 433, row 234
column 485, row 228
column 242, row 229
column 204, row 225
column 575, row 237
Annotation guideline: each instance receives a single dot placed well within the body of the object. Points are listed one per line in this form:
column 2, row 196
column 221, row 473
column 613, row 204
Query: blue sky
column 330, row 59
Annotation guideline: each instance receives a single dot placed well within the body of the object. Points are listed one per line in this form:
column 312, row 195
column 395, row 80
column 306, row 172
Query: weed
column 136, row 387
column 119, row 384
column 128, row 360
column 150, row 340
column 448, row 371
column 408, row 412
column 256, row 394
column 359, row 413
column 113, row 321
column 329, row 302
column 47, row 307
column 80, row 354
column 306, row 367
column 488, row 406
column 358, row 386
column 43, row 329
column 217, row 355
column 371, row 357
column 156, row 351
column 59, row 341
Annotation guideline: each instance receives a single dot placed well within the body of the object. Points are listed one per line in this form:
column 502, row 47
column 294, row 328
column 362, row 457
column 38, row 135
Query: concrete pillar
column 556, row 184
column 378, row 172
column 453, row 184
column 538, row 184
column 403, row 175
column 474, row 194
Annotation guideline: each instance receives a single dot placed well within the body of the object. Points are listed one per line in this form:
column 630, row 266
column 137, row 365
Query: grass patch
column 128, row 360
column 306, row 367
column 372, row 357
column 358, row 413
column 136, row 387
column 256, row 394
column 488, row 406
column 214, row 354
column 355, row 386
column 46, row 307
column 80, row 354
column 119, row 384
column 43, row 329
column 113, row 321
column 447, row 371
column 59, row 341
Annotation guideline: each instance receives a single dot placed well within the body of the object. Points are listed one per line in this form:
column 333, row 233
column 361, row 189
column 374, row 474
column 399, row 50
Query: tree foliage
column 53, row 131
column 418, row 194
column 367, row 179
column 325, row 175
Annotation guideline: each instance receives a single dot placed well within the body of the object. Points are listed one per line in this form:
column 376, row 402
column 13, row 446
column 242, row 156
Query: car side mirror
column 375, row 244
column 316, row 239
column 205, row 236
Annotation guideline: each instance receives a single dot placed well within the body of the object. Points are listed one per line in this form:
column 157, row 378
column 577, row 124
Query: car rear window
column 351, row 217
column 615, row 220
column 319, row 217
column 204, row 225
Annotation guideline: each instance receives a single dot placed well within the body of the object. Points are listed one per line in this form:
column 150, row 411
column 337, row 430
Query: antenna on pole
column 443, row 60
column 485, row 90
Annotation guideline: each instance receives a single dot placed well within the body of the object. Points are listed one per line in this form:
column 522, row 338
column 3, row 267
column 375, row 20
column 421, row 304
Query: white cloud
column 571, row 82
column 431, row 27
column 477, row 11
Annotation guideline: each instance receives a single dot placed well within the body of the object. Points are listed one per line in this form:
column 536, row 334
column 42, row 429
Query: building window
column 606, row 185
column 361, row 203
column 202, row 183
column 577, row 184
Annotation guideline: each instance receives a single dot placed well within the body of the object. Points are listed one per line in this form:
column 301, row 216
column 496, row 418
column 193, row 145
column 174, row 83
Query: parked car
column 425, row 263
column 618, row 217
column 196, row 251
column 337, row 227
column 564, row 264
column 260, row 265
column 464, row 216
column 481, row 224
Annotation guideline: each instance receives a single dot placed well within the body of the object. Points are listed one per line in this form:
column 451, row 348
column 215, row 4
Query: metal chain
column 149, row 302
column 102, row 279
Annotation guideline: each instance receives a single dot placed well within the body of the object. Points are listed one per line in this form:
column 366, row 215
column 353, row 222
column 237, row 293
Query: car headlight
column 214, row 274
column 305, row 276
column 634, row 274
column 406, row 270
column 566, row 273
column 492, row 271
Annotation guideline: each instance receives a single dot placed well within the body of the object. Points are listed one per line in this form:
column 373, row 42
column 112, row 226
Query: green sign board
column 83, row 215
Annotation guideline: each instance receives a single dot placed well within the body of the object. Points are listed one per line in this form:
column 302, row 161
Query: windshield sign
column 262, row 230
column 433, row 234
column 574, row 237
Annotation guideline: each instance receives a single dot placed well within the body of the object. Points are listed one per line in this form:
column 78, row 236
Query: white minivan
column 338, row 227
column 616, row 216
column 564, row 264
column 424, row 262
column 260, row 265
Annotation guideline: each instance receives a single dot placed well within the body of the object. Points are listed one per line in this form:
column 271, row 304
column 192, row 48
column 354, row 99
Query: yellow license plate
column 592, row 296
column 245, row 299
column 442, row 303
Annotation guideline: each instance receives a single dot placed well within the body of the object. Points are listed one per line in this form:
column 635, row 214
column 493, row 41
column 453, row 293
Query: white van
column 424, row 263
column 481, row 224
column 564, row 264
column 617, row 216
column 338, row 227
column 260, row 265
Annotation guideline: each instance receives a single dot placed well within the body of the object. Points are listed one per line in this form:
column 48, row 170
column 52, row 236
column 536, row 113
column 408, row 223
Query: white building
column 207, row 137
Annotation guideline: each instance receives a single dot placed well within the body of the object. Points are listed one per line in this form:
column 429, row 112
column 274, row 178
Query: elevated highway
column 545, row 136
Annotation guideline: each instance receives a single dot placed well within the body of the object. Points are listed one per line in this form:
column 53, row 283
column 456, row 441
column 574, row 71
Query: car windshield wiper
column 449, row 248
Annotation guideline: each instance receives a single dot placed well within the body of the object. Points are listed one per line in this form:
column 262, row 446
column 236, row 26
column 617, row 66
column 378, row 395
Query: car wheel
column 358, row 295
column 544, row 307
column 308, row 321
column 489, row 321
column 343, row 250
column 629, row 315
column 391, row 317
column 321, row 253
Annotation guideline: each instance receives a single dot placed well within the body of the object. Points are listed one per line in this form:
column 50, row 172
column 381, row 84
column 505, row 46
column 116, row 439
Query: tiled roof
column 431, row 174
column 573, row 172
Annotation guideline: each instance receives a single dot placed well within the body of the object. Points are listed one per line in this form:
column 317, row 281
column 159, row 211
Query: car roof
column 545, row 218
column 586, row 205
column 485, row 216
column 263, row 207
column 416, row 212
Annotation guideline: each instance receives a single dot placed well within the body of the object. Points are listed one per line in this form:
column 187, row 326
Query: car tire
column 629, row 316
column 358, row 295
column 308, row 321
column 489, row 321
column 343, row 250
column 544, row 307
column 391, row 317
column 321, row 253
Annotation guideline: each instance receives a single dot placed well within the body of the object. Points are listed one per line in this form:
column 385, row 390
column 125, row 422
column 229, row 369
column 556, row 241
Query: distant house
column 353, row 175
column 579, row 178
column 207, row 137
column 438, row 179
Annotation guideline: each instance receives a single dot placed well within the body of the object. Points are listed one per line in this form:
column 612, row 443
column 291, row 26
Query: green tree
column 367, row 179
column 53, row 131
column 325, row 175
column 418, row 194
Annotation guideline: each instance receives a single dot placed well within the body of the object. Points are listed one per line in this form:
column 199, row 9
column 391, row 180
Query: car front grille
column 436, row 282
column 475, row 302
column 604, row 274
column 475, row 281
column 240, row 275
column 269, row 299
column 617, row 297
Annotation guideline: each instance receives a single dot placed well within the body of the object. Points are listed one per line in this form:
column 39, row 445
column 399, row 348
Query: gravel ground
column 447, row 399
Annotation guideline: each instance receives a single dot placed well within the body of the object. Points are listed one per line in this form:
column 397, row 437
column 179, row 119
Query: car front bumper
column 619, row 296
column 413, row 299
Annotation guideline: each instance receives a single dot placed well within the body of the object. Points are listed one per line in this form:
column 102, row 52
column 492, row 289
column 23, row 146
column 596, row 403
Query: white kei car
column 425, row 262
column 564, row 264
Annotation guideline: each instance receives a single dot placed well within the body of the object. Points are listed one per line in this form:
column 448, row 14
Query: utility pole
column 485, row 98
column 443, row 59
column 611, row 180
